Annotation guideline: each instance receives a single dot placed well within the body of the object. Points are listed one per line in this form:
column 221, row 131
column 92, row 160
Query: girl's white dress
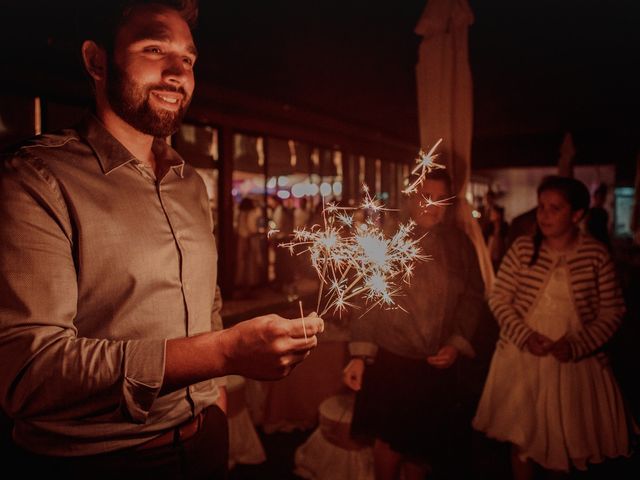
column 559, row 414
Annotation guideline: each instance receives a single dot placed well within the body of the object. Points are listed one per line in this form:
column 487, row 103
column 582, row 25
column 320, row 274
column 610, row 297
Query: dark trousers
column 203, row 456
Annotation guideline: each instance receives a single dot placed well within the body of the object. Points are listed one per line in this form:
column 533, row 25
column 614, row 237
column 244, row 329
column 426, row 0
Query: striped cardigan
column 595, row 292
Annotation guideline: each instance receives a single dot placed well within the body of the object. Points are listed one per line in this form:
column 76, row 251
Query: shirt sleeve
column 469, row 304
column 512, row 326
column 216, row 325
column 47, row 369
column 611, row 310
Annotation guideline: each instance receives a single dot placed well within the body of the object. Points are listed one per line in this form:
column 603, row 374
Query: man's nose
column 175, row 71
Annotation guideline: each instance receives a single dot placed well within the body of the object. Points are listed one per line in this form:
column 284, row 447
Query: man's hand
column 263, row 348
column 445, row 357
column 561, row 350
column 269, row 347
column 352, row 374
column 538, row 344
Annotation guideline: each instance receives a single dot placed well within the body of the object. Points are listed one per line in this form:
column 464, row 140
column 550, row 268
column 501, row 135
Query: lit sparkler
column 425, row 163
column 429, row 202
column 357, row 260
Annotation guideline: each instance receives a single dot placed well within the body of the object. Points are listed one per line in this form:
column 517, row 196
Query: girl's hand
column 445, row 357
column 352, row 374
column 539, row 344
column 561, row 350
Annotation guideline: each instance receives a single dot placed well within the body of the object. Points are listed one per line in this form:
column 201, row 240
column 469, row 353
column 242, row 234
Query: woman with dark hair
column 597, row 219
column 496, row 235
column 405, row 363
column 550, row 391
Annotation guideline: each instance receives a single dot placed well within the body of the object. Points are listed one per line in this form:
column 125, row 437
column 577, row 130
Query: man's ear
column 95, row 60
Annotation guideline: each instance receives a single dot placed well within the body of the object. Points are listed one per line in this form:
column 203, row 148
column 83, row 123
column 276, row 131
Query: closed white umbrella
column 445, row 104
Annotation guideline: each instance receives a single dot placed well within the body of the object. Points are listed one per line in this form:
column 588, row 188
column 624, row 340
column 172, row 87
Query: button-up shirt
column 100, row 263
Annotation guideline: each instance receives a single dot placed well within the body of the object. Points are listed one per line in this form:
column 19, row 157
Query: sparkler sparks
column 357, row 260
column 354, row 258
column 429, row 202
column 425, row 164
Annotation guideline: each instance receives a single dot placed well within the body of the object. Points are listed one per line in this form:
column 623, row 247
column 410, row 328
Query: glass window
column 293, row 183
column 624, row 201
column 198, row 145
column 369, row 173
column 58, row 115
column 249, row 190
column 355, row 168
column 19, row 119
column 296, row 186
column 387, row 192
column 350, row 186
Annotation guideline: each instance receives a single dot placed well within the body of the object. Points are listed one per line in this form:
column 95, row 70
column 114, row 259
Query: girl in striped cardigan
column 550, row 391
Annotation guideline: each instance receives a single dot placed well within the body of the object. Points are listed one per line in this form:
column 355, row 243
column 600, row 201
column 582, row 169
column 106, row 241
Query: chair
column 330, row 453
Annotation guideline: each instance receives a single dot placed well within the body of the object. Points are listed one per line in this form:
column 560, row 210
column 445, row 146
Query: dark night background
column 540, row 68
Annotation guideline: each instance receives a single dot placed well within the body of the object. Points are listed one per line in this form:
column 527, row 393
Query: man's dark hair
column 100, row 20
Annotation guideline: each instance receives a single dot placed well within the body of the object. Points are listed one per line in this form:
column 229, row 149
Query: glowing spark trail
column 425, row 164
column 429, row 202
column 357, row 260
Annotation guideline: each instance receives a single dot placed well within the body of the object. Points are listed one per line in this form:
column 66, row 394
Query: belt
column 181, row 432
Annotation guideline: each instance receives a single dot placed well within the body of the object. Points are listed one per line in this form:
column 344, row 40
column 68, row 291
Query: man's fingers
column 297, row 357
column 300, row 344
column 290, row 361
column 307, row 326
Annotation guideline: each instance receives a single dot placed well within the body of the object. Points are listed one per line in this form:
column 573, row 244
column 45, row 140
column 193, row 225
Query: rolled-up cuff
column 578, row 350
column 521, row 340
column 462, row 344
column 143, row 376
column 363, row 349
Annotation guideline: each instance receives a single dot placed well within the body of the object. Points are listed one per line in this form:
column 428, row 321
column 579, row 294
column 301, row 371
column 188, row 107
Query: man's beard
column 131, row 103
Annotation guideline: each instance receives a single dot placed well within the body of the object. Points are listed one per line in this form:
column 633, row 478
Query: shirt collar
column 112, row 154
column 168, row 157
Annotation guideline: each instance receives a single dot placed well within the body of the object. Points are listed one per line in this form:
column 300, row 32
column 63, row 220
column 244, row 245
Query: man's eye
column 153, row 50
column 188, row 61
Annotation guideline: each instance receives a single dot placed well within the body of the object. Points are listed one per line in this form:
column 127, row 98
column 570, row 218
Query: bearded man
column 110, row 333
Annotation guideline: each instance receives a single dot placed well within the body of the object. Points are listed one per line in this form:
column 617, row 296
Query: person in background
column 248, row 254
column 404, row 363
column 486, row 208
column 301, row 214
column 550, row 391
column 110, row 332
column 522, row 225
column 597, row 221
column 281, row 222
column 496, row 235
